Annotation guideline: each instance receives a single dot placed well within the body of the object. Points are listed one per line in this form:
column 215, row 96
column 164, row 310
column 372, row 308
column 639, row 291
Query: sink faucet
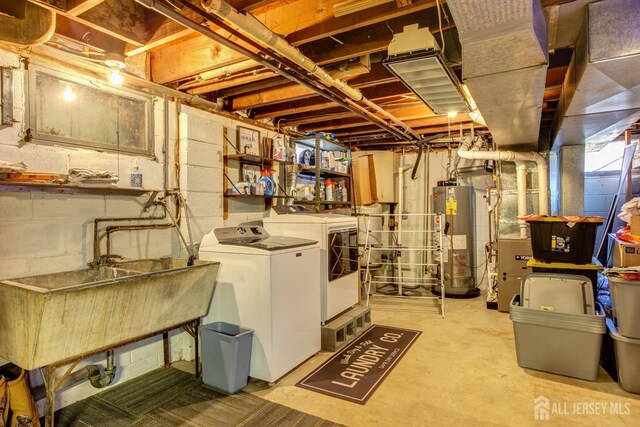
column 105, row 260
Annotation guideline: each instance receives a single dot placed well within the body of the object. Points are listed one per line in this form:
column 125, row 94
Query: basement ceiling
column 350, row 47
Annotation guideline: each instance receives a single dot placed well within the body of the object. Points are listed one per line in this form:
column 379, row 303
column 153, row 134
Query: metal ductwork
column 601, row 92
column 26, row 24
column 504, row 65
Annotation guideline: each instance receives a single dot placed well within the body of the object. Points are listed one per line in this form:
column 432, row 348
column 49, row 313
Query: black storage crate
column 556, row 241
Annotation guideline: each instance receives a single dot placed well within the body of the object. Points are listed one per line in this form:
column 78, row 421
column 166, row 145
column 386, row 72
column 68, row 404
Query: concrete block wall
column 44, row 233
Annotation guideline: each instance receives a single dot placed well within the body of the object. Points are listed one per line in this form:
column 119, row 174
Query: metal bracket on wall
column 6, row 90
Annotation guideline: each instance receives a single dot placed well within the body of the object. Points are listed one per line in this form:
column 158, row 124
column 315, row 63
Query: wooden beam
column 121, row 16
column 179, row 61
column 349, row 74
column 432, row 130
column 552, row 94
column 331, row 25
column 378, row 42
column 163, row 30
column 259, row 5
column 88, row 36
column 555, row 76
column 281, row 20
column 376, row 77
column 318, row 103
column 229, row 83
column 338, row 114
column 78, row 7
column 118, row 31
column 418, row 123
column 170, row 31
column 335, row 123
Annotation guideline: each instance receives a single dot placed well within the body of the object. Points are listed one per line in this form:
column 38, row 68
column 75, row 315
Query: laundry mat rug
column 356, row 371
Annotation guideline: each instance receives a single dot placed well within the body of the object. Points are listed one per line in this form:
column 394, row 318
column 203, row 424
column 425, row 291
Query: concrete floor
column 461, row 371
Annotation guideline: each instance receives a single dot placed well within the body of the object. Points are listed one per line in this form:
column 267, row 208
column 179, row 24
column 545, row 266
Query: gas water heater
column 457, row 202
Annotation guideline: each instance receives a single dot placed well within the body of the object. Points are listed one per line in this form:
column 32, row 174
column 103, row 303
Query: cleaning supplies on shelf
column 328, row 185
column 265, row 186
column 136, row 175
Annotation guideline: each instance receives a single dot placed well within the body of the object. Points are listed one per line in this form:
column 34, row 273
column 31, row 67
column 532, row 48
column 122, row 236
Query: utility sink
column 50, row 318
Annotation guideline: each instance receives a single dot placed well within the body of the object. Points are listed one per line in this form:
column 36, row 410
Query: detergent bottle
column 266, row 183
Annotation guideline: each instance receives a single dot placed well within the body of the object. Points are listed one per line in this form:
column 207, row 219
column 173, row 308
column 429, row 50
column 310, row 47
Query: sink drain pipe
column 99, row 380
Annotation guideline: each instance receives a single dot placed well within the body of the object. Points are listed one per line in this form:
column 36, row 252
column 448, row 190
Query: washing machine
column 270, row 284
column 338, row 257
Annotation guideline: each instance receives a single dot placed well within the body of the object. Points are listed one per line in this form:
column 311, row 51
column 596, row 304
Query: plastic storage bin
column 562, row 293
column 625, row 303
column 588, row 270
column 559, row 343
column 226, row 356
column 627, row 359
column 555, row 239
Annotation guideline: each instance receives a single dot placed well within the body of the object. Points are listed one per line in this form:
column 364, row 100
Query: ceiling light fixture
column 115, row 62
column 415, row 58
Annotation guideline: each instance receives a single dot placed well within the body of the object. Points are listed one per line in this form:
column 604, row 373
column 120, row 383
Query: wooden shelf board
column 71, row 189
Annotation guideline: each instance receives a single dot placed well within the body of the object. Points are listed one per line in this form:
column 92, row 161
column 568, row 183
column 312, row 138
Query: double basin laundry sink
column 54, row 317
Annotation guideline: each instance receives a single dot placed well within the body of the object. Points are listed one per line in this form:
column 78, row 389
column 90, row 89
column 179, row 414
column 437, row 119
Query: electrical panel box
column 513, row 255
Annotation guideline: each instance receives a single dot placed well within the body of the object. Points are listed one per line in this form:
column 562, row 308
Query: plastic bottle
column 266, row 183
column 136, row 175
column 328, row 190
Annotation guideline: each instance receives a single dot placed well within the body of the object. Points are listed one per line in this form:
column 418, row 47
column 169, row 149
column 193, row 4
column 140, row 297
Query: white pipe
column 521, row 179
column 249, row 25
column 466, row 151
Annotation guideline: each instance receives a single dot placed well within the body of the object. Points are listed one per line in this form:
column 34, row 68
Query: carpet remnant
column 357, row 370
column 170, row 397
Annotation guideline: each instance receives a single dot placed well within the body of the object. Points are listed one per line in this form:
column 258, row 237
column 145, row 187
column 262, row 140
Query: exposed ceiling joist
column 291, row 92
column 78, row 7
column 115, row 26
column 332, row 26
column 85, row 35
column 316, row 103
column 372, row 39
column 342, row 121
column 333, row 114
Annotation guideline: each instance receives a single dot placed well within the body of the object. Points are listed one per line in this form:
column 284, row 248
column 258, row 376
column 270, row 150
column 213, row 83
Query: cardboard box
column 635, row 225
column 362, row 180
column 382, row 168
column 624, row 254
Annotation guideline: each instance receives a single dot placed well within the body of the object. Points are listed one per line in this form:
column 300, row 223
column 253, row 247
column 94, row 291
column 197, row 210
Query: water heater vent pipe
column 467, row 151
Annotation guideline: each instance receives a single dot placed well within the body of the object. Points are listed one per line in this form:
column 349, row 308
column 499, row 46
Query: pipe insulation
column 249, row 25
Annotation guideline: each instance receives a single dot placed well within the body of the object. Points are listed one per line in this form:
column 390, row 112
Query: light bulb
column 115, row 77
column 452, row 114
column 68, row 95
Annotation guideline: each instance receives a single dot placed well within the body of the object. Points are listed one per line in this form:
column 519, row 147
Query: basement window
column 68, row 110
column 603, row 157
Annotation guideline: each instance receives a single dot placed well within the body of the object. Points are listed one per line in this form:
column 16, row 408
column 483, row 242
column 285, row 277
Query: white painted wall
column 44, row 233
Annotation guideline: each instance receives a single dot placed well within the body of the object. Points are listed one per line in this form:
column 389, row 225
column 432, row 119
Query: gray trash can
column 226, row 356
